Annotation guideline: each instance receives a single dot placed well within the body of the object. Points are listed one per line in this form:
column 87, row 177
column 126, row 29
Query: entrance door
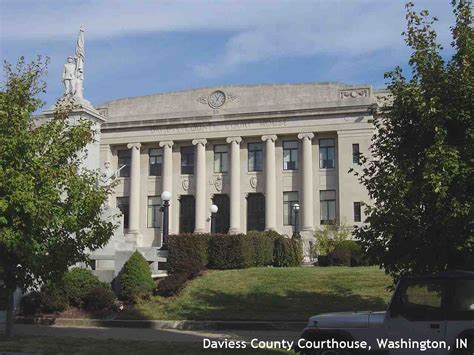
column 223, row 213
column 256, row 212
column 186, row 214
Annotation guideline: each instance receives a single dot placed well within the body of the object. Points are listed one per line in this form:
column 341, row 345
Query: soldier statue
column 69, row 77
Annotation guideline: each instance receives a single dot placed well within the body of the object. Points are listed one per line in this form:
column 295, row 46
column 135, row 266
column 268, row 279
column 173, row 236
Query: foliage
column 53, row 299
column 187, row 247
column 98, row 298
column 189, row 267
column 330, row 236
column 171, row 285
column 31, row 303
column 231, row 251
column 263, row 244
column 49, row 214
column 287, row 252
column 357, row 257
column 77, row 283
column 135, row 278
column 420, row 173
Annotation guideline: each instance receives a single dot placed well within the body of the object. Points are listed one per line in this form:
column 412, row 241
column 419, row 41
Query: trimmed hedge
column 231, row 251
column 77, row 283
column 135, row 278
column 263, row 244
column 287, row 252
column 188, row 247
column 349, row 253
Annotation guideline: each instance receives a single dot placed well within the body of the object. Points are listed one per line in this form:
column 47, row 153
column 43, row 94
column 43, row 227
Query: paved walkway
column 167, row 335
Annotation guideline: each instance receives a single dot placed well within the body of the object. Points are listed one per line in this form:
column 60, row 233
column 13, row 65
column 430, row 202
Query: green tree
column 420, row 174
column 50, row 207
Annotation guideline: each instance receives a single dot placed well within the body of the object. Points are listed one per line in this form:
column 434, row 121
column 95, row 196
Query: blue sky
column 136, row 48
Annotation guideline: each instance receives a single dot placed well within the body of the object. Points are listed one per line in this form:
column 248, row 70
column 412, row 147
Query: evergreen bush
column 287, row 252
column 231, row 251
column 135, row 278
column 263, row 244
column 187, row 247
column 77, row 283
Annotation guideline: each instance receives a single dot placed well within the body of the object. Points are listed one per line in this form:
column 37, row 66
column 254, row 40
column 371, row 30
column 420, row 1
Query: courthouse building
column 253, row 150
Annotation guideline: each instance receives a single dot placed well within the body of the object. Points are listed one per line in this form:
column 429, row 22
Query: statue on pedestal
column 69, row 77
column 73, row 73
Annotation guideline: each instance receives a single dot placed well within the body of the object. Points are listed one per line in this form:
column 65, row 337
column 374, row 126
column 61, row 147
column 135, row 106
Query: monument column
column 234, row 184
column 307, row 182
column 167, row 175
column 134, row 213
column 270, row 182
column 200, row 213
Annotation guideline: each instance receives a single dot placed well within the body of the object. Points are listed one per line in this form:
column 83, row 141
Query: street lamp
column 213, row 210
column 296, row 208
column 165, row 197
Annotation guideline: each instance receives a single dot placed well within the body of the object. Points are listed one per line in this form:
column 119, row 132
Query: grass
column 270, row 294
column 76, row 346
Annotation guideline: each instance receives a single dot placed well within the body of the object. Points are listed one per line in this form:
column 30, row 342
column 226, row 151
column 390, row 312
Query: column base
column 132, row 237
column 234, row 231
column 199, row 231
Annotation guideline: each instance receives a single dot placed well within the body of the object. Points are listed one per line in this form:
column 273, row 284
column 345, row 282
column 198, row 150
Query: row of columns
column 235, row 170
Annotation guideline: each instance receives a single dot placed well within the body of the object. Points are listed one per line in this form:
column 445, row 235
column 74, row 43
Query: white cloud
column 257, row 29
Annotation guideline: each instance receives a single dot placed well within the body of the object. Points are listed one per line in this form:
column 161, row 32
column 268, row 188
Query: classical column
column 306, row 196
column 134, row 213
column 234, row 184
column 200, row 213
column 270, row 182
column 167, row 174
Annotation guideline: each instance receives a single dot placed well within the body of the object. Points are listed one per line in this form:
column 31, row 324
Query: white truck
column 426, row 315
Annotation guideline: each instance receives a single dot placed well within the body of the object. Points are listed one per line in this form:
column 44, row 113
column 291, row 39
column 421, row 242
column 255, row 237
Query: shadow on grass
column 258, row 306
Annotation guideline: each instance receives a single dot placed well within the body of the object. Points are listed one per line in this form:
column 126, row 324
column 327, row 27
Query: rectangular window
column 328, row 206
column 123, row 206
column 187, row 160
column 357, row 212
column 154, row 215
column 327, row 153
column 124, row 159
column 221, row 158
column 355, row 153
column 255, row 156
column 289, row 200
column 290, row 155
column 155, row 158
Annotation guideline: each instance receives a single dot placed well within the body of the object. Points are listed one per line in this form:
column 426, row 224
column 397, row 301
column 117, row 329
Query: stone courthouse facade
column 253, row 150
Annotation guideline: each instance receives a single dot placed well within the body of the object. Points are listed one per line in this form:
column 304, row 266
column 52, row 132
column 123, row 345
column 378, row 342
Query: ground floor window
column 290, row 198
column 186, row 214
column 222, row 218
column 255, row 212
column 357, row 212
column 153, row 212
column 124, row 207
column 328, row 206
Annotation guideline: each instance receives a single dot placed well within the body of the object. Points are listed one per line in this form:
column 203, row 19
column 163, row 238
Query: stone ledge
column 165, row 324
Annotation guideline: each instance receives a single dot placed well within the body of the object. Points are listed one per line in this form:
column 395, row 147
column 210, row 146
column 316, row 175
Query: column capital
column 134, row 145
column 234, row 139
column 271, row 137
column 168, row 144
column 306, row 135
column 202, row 141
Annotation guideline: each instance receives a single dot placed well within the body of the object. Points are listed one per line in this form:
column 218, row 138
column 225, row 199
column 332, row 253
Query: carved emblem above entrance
column 217, row 99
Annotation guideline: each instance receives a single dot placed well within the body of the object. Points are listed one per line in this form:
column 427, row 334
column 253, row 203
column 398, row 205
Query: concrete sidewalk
column 158, row 335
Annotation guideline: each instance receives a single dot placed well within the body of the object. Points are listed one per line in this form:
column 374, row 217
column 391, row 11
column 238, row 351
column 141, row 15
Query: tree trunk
column 10, row 313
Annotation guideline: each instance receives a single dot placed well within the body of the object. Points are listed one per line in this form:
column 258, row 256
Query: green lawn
column 76, row 346
column 271, row 294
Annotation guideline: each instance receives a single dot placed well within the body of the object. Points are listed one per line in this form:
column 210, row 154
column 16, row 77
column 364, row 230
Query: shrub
column 31, row 303
column 190, row 268
column 287, row 252
column 135, row 278
column 187, row 247
column 349, row 252
column 99, row 298
column 231, row 251
column 263, row 244
column 53, row 299
column 77, row 283
column 329, row 237
column 171, row 285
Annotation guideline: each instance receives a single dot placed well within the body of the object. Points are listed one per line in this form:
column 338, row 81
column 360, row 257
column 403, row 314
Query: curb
column 165, row 324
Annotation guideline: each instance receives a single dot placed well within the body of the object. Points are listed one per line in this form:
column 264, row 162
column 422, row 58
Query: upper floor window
column 124, row 207
column 328, row 206
column 153, row 215
column 221, row 158
column 357, row 212
column 290, row 155
column 327, row 153
column 355, row 153
column 289, row 201
column 124, row 159
column 187, row 160
column 155, row 161
column 255, row 156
